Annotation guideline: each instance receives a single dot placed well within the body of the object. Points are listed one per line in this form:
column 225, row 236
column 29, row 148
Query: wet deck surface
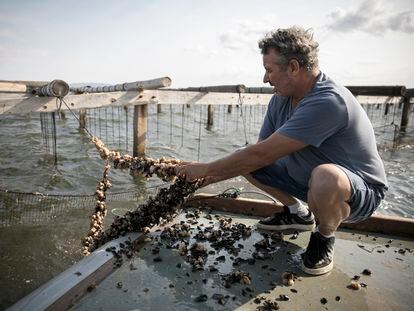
column 144, row 284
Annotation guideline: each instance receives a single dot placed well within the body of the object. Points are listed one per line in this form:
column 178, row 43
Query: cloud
column 201, row 49
column 372, row 17
column 245, row 34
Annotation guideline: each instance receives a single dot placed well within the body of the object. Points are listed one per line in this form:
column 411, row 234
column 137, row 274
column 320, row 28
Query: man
column 316, row 145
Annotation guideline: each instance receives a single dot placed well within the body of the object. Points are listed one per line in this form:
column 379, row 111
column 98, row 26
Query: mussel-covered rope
column 243, row 118
column 162, row 206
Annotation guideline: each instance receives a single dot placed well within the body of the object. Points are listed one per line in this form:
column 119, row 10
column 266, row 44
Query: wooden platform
column 170, row 284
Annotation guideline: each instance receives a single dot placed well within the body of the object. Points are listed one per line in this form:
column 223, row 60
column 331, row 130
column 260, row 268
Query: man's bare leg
column 285, row 218
column 329, row 189
column 283, row 197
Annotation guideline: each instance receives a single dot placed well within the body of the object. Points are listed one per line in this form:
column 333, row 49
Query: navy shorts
column 364, row 200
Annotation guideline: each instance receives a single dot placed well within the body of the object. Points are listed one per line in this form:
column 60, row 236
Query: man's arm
column 245, row 161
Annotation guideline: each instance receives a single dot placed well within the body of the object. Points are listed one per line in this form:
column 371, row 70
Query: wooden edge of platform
column 251, row 207
column 71, row 285
column 384, row 224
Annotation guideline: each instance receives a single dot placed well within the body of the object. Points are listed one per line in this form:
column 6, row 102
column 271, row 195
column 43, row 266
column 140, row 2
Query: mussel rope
column 199, row 134
column 54, row 137
column 126, row 128
column 243, row 119
column 182, row 125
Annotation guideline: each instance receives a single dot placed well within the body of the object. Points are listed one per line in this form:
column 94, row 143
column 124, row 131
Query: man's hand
column 191, row 170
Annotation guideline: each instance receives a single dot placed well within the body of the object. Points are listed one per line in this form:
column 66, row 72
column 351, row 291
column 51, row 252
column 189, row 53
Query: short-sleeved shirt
column 335, row 128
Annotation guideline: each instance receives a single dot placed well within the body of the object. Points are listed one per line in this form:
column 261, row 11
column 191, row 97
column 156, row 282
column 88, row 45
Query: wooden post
column 63, row 115
column 229, row 108
column 82, row 118
column 405, row 114
column 210, row 115
column 158, row 108
column 140, row 129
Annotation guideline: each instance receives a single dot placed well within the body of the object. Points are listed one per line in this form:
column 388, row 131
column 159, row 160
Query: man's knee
column 328, row 179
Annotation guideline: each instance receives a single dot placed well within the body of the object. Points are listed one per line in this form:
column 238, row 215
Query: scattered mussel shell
column 288, row 278
column 268, row 304
column 238, row 276
column 354, row 285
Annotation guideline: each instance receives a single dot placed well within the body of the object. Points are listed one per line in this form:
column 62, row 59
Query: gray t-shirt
column 333, row 125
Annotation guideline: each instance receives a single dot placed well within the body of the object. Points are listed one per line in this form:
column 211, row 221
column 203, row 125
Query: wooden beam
column 26, row 104
column 22, row 103
column 140, row 130
column 12, row 103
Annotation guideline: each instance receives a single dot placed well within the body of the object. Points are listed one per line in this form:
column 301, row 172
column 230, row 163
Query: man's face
column 274, row 73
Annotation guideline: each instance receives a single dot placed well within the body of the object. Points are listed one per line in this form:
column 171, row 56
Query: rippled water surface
column 33, row 253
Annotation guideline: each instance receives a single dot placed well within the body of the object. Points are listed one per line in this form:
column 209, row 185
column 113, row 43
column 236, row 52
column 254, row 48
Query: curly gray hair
column 292, row 43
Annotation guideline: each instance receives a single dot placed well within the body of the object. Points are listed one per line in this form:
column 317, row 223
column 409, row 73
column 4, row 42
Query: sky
column 200, row 43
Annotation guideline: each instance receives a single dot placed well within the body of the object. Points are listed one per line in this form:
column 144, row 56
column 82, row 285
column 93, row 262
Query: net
column 37, row 208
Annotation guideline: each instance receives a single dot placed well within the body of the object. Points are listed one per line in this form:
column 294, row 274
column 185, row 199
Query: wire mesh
column 38, row 208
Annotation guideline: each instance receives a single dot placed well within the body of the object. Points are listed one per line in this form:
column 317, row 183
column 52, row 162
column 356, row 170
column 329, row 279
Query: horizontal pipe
column 56, row 88
column 409, row 93
column 128, row 86
column 356, row 90
column 238, row 88
column 20, row 86
column 29, row 84
column 260, row 90
column 377, row 90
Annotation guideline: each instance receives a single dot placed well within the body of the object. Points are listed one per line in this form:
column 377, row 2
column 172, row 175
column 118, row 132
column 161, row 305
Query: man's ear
column 294, row 66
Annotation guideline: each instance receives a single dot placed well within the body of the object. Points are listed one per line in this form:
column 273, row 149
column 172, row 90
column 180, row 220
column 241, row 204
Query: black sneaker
column 286, row 220
column 318, row 258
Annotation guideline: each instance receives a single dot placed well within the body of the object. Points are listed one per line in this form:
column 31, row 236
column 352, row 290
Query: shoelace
column 286, row 215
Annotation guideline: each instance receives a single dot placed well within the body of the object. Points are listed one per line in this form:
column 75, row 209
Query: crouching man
column 316, row 145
